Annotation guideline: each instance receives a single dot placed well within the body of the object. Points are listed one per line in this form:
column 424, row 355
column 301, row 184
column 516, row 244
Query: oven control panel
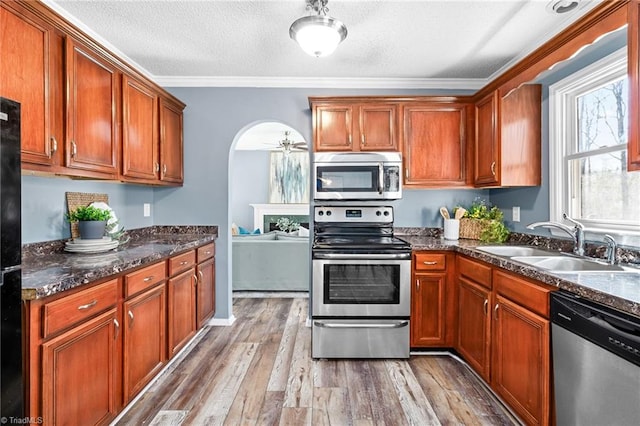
column 356, row 214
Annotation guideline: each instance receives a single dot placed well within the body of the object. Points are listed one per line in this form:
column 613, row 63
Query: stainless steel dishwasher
column 596, row 363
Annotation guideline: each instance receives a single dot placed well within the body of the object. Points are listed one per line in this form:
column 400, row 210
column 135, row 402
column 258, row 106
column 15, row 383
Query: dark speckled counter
column 620, row 290
column 49, row 270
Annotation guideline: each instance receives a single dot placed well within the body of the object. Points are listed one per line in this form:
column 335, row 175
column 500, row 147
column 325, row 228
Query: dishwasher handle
column 608, row 324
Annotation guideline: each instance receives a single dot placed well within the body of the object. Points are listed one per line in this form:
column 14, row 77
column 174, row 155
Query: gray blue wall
column 213, row 119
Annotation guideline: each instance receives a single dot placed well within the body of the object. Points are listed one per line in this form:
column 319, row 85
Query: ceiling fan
column 289, row 146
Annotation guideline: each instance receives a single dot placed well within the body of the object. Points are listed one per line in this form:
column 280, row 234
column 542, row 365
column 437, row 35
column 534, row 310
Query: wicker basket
column 471, row 228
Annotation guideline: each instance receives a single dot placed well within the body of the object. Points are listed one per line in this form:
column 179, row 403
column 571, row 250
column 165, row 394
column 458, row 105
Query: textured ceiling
column 393, row 44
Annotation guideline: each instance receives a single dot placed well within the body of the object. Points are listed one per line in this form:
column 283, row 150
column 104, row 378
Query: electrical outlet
column 147, row 209
column 516, row 214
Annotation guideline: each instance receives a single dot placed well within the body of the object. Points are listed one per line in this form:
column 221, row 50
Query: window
column 588, row 148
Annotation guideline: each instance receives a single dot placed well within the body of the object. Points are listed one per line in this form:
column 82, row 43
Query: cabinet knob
column 493, row 168
column 157, row 167
column 117, row 325
column 74, row 149
column 485, row 306
column 88, row 305
column 349, row 138
column 362, row 138
column 495, row 312
column 164, row 169
column 418, row 285
column 131, row 318
column 426, row 262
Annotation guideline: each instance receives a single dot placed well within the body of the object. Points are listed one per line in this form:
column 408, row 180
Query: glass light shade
column 318, row 35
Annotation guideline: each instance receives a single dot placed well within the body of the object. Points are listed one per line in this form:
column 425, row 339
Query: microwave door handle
column 380, row 178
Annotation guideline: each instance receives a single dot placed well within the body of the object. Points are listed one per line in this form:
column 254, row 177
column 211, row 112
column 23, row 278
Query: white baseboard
column 222, row 322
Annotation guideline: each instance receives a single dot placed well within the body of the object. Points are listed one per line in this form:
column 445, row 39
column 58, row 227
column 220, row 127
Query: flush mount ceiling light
column 318, row 35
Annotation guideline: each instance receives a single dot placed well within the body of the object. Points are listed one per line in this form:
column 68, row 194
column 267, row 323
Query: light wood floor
column 259, row 371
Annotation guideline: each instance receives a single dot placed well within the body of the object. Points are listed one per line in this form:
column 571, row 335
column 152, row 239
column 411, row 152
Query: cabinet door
column 79, row 373
column 140, row 147
column 206, row 291
column 182, row 310
column 31, row 73
column 171, row 143
column 145, row 342
column 377, row 124
column 520, row 125
column 92, row 141
column 486, row 152
column 521, row 360
column 428, row 310
column 434, row 145
column 333, row 127
column 474, row 324
column 634, row 85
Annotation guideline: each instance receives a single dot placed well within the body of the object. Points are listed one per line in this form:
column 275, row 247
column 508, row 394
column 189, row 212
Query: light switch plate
column 147, row 209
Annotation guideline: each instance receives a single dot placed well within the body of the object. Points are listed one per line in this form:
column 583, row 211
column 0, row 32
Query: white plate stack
column 78, row 245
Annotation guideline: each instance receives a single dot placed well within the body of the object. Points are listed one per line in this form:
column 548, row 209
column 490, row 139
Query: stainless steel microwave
column 357, row 176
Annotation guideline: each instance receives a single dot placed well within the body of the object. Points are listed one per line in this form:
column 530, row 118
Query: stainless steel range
column 361, row 284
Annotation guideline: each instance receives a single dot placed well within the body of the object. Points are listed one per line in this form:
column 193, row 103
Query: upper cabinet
column 434, row 143
column 140, row 149
column 31, row 73
column 92, row 142
column 634, row 85
column 171, row 149
column 508, row 138
column 353, row 125
column 90, row 114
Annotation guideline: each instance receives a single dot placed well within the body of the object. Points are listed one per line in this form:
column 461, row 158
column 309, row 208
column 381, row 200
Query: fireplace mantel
column 260, row 210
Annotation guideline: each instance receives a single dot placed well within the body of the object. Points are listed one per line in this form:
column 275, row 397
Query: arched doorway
column 269, row 170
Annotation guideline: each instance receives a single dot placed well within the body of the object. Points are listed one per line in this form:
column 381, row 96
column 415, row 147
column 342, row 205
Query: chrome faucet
column 612, row 247
column 576, row 232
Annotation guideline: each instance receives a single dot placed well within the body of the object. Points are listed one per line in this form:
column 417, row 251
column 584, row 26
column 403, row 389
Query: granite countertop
column 620, row 290
column 48, row 270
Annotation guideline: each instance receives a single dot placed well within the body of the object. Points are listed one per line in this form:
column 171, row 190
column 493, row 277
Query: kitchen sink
column 511, row 251
column 566, row 263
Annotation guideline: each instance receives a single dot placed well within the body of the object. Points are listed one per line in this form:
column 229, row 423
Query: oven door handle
column 396, row 324
column 380, row 178
column 368, row 256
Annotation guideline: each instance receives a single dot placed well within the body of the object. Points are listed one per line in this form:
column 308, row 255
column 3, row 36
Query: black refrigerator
column 11, row 372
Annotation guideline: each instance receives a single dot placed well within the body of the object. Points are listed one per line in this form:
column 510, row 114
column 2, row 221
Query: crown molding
column 319, row 82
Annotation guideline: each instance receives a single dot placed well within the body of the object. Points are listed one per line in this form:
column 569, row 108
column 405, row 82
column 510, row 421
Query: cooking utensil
column 460, row 211
column 444, row 212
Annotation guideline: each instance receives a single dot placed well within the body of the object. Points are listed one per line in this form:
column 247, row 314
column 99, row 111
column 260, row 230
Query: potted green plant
column 92, row 221
column 483, row 222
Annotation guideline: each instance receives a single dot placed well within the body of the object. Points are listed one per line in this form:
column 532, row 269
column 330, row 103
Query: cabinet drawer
column 429, row 261
column 534, row 297
column 70, row 310
column 182, row 262
column 144, row 278
column 205, row 252
column 476, row 271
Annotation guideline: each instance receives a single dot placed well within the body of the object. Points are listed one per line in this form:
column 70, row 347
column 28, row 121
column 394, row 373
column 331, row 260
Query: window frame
column 561, row 107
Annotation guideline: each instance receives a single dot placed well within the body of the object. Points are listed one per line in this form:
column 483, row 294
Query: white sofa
column 271, row 262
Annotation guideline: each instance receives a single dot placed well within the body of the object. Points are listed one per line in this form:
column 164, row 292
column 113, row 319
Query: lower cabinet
column 474, row 326
column 90, row 351
column 181, row 301
column 504, row 335
column 80, row 373
column 432, row 300
column 145, row 339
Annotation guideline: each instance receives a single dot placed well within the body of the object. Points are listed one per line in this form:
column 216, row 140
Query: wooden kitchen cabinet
column 181, row 296
column 507, row 149
column 140, row 142
column 31, row 73
column 92, row 143
column 206, row 294
column 432, row 300
column 144, row 330
column 342, row 125
column 80, row 368
column 634, row 85
column 435, row 144
column 171, row 142
column 521, row 364
column 474, row 320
